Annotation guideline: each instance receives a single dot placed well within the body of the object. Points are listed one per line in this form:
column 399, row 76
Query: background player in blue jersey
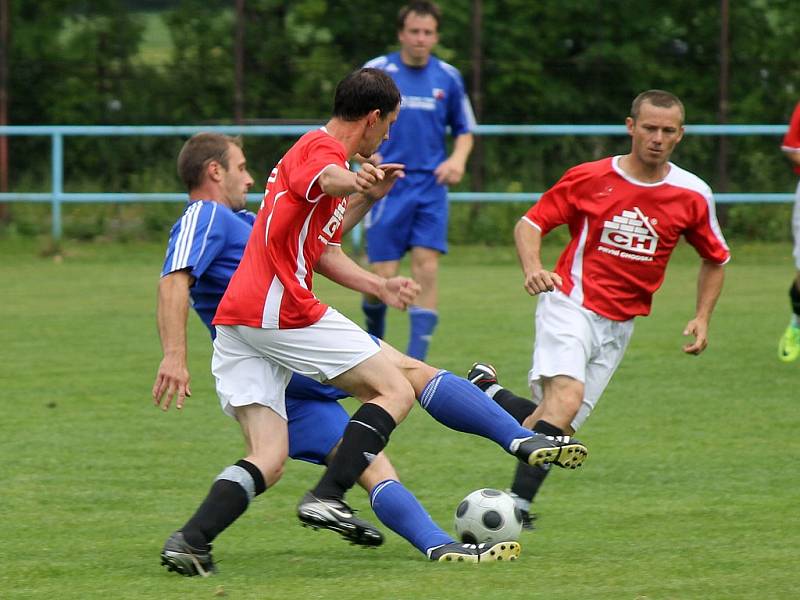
column 414, row 214
column 205, row 247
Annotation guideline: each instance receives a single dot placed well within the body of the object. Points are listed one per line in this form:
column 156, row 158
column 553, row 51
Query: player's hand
column 391, row 173
column 375, row 158
column 367, row 176
column 699, row 329
column 541, row 281
column 399, row 292
column 172, row 379
column 450, row 172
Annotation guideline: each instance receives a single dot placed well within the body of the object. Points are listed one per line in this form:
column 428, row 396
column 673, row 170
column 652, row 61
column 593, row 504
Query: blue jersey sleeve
column 460, row 117
column 195, row 240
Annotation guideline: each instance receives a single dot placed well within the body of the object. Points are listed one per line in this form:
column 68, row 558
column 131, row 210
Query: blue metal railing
column 56, row 197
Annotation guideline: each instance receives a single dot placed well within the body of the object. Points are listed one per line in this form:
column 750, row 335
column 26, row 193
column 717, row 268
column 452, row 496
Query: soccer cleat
column 334, row 514
column 482, row 374
column 182, row 558
column 560, row 450
column 455, row 552
column 789, row 344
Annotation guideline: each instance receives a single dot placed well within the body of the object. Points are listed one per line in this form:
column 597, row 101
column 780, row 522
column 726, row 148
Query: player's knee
column 400, row 397
column 271, row 466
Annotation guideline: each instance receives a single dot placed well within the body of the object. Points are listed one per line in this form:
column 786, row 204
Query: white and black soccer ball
column 488, row 516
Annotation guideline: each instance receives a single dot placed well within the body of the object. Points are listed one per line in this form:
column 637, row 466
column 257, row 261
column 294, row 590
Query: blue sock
column 460, row 405
column 400, row 511
column 423, row 322
column 376, row 318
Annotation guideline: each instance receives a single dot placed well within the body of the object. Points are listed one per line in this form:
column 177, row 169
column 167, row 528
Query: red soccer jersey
column 272, row 288
column 791, row 141
column 623, row 232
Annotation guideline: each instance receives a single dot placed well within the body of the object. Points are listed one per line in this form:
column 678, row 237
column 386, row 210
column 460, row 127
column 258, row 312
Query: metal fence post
column 57, row 183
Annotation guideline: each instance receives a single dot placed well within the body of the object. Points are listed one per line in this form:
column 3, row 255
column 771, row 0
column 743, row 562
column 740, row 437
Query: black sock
column 794, row 294
column 228, row 498
column 547, row 428
column 528, row 480
column 365, row 436
column 517, row 407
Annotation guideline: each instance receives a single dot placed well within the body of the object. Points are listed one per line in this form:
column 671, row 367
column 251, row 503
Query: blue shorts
column 315, row 417
column 413, row 214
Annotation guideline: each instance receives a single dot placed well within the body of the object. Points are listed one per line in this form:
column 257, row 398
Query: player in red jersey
column 625, row 216
column 789, row 345
column 269, row 324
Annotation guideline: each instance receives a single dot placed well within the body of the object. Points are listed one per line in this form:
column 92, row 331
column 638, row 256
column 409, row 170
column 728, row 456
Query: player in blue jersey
column 414, row 215
column 205, row 247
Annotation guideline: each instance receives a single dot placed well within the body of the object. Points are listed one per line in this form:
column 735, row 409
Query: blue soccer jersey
column 209, row 241
column 433, row 99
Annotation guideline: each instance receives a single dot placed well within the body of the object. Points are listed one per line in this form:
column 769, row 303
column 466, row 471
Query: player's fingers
column 167, row 401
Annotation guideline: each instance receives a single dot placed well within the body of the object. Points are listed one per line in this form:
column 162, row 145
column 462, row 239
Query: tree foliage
column 575, row 61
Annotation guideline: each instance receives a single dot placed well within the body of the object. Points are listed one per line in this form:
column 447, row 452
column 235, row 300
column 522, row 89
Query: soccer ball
column 488, row 516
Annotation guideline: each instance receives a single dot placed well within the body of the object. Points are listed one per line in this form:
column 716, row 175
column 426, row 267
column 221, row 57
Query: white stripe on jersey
column 185, row 236
column 576, row 269
column 302, row 268
column 377, row 63
column 682, row 178
column 272, row 304
column 208, row 230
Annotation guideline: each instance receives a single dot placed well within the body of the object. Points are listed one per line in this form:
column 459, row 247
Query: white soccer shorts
column 253, row 365
column 574, row 341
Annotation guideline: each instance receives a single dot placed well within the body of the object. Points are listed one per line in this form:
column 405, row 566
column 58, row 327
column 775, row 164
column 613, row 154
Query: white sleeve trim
column 531, row 223
column 316, row 199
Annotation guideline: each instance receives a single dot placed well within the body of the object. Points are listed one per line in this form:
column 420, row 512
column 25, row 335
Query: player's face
column 378, row 132
column 417, row 38
column 655, row 133
column 236, row 181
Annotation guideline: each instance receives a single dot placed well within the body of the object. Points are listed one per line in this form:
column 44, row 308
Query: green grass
column 690, row 491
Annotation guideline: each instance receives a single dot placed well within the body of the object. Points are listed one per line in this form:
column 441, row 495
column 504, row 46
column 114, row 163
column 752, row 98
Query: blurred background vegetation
column 201, row 62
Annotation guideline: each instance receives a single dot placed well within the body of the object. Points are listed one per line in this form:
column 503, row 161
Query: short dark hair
column 198, row 151
column 363, row 91
column 422, row 8
column 658, row 98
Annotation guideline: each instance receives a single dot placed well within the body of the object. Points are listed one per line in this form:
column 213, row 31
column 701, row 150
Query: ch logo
column 631, row 231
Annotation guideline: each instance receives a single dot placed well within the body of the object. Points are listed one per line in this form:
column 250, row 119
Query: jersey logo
column 631, row 236
column 334, row 222
column 438, row 93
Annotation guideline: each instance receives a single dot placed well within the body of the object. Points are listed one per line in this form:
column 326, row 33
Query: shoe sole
column 508, row 551
column 569, row 456
column 358, row 536
column 176, row 562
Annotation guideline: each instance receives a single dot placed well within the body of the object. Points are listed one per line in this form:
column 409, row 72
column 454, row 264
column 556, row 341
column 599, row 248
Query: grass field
column 691, row 490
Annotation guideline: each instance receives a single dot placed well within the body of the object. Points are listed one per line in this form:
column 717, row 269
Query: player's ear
column 214, row 170
column 629, row 123
column 373, row 117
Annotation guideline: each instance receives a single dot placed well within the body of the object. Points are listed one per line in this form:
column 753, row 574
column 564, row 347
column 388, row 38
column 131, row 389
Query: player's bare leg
column 188, row 551
column 387, row 398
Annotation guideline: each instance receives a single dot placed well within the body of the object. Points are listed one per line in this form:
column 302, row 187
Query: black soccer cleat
column 182, row 558
column 560, row 450
column 336, row 515
column 483, row 375
column 455, row 552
